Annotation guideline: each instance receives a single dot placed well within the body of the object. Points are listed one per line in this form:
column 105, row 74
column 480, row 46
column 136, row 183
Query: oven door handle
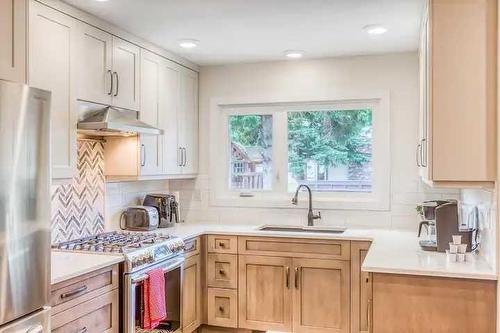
column 169, row 266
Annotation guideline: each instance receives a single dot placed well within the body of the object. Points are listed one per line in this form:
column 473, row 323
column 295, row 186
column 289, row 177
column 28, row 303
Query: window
column 339, row 149
column 330, row 150
column 251, row 146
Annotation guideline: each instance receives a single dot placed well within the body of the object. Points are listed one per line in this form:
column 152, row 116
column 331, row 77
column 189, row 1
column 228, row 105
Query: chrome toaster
column 139, row 218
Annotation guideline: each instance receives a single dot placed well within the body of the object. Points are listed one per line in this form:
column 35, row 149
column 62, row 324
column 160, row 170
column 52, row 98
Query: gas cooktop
column 141, row 249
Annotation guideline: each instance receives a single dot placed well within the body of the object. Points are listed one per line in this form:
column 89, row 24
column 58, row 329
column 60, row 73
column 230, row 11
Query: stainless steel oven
column 133, row 290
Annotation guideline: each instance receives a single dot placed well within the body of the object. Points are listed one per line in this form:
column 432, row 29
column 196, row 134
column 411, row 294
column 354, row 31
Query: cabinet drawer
column 222, row 270
column 222, row 244
column 222, row 307
column 97, row 315
column 192, row 247
column 69, row 293
column 297, row 248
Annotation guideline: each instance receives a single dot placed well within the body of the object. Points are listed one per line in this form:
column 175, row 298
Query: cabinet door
column 265, row 294
column 361, row 290
column 151, row 145
column 52, row 67
column 95, row 58
column 169, row 104
column 191, row 294
column 321, row 295
column 13, row 40
column 126, row 69
column 188, row 121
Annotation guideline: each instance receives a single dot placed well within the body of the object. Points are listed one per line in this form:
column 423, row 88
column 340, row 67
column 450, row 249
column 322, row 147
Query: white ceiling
column 261, row 30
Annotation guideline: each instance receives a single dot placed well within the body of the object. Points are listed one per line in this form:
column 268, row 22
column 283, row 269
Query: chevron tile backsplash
column 78, row 207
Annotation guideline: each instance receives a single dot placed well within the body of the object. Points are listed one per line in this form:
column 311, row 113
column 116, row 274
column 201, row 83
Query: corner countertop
column 392, row 252
column 68, row 265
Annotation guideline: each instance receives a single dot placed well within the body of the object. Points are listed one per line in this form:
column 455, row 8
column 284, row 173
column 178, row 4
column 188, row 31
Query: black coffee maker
column 440, row 217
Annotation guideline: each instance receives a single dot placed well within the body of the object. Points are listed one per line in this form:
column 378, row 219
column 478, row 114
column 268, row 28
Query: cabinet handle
column 82, row 330
column 369, row 315
column 221, row 244
column 296, row 278
column 418, row 154
column 111, row 82
column 35, row 329
column 185, row 157
column 423, row 156
column 117, row 83
column 221, row 309
column 222, row 272
column 179, row 157
column 143, row 155
column 74, row 292
column 287, row 271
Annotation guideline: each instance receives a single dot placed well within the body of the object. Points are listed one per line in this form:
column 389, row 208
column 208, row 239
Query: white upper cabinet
column 52, row 46
column 13, row 40
column 109, row 69
column 95, row 65
column 188, row 121
column 151, row 146
column 169, row 101
column 126, row 71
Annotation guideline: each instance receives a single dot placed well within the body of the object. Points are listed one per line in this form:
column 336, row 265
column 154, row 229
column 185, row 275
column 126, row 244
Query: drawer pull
column 221, row 244
column 82, row 330
column 222, row 272
column 287, row 277
column 190, row 247
column 221, row 309
column 296, row 278
column 35, row 329
column 74, row 292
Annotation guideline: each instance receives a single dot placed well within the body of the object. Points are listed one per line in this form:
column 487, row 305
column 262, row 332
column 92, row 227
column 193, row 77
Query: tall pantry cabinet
column 458, row 71
column 13, row 20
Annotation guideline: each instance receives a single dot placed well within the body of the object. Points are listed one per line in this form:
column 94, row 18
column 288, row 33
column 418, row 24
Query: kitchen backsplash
column 78, row 206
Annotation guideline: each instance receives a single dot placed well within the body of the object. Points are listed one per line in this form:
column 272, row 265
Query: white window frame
column 221, row 195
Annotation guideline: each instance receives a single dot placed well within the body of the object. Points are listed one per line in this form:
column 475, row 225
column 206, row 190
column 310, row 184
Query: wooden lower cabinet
column 321, row 296
column 87, row 303
column 407, row 303
column 222, row 307
column 192, row 293
column 265, row 293
column 361, row 290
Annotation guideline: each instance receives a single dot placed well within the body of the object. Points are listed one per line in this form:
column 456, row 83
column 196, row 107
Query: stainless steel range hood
column 104, row 120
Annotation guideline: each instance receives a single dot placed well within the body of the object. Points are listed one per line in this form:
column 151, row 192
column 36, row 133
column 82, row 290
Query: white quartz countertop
column 394, row 252
column 67, row 265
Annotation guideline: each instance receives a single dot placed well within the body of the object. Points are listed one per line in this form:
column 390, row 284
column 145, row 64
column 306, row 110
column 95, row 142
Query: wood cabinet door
column 151, row 150
column 169, row 104
column 265, row 294
column 13, row 40
column 126, row 69
column 188, row 121
column 361, row 290
column 191, row 294
column 321, row 295
column 95, row 64
column 52, row 44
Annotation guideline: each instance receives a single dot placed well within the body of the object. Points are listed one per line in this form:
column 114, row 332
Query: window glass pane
column 331, row 151
column 251, row 147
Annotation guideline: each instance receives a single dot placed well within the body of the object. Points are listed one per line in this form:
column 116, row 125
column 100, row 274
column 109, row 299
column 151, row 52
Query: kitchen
column 281, row 166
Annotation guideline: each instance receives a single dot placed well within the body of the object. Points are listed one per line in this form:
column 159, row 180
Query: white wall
column 121, row 195
column 315, row 80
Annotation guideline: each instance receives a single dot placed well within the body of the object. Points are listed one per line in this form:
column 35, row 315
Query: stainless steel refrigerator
column 24, row 208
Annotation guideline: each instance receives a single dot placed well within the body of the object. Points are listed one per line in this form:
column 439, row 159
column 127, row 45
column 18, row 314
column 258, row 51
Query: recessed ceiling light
column 294, row 54
column 188, row 43
column 375, row 29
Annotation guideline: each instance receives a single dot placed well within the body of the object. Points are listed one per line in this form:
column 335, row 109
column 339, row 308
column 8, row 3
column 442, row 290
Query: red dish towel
column 154, row 299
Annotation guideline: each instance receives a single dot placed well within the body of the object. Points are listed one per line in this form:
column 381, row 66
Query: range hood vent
column 104, row 120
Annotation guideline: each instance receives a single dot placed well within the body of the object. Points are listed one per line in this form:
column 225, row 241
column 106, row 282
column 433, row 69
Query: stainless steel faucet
column 310, row 215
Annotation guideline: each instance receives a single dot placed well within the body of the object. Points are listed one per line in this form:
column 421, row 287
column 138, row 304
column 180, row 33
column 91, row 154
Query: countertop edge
column 112, row 261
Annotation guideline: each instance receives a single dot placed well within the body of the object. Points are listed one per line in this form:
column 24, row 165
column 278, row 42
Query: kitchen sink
column 303, row 229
